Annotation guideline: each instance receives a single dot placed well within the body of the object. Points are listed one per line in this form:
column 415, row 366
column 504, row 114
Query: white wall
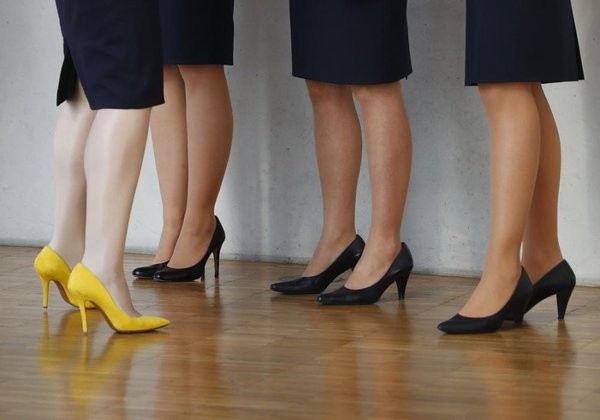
column 270, row 204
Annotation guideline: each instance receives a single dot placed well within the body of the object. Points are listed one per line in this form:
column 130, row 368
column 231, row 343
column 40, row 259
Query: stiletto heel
column 45, row 289
column 86, row 287
column 562, row 300
column 398, row 272
column 316, row 284
column 516, row 305
column 216, row 256
column 50, row 267
column 196, row 271
column 401, row 282
column 83, row 317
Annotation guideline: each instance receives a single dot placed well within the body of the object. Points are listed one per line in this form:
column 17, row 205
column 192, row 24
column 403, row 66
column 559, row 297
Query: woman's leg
column 209, row 133
column 541, row 249
column 113, row 158
column 515, row 150
column 389, row 151
column 338, row 147
column 169, row 138
column 74, row 121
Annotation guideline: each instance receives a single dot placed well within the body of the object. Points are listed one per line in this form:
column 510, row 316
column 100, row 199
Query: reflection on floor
column 237, row 350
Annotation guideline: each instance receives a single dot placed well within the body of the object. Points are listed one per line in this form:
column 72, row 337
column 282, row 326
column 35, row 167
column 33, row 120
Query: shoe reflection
column 347, row 361
column 189, row 370
column 519, row 376
column 91, row 374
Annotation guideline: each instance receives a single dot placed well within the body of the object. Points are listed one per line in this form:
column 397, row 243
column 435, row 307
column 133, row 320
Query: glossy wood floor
column 237, row 350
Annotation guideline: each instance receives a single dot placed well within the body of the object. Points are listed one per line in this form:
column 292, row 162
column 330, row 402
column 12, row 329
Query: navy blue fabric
column 197, row 31
column 521, row 41
column 114, row 48
column 350, row 41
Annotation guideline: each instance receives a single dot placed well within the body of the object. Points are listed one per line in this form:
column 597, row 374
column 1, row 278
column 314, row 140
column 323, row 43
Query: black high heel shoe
column 196, row 271
column 148, row 271
column 516, row 305
column 316, row 284
column 559, row 281
column 398, row 272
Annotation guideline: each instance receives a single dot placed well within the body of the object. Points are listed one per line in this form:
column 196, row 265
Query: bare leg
column 169, row 137
column 515, row 147
column 389, row 150
column 338, row 146
column 72, row 128
column 541, row 250
column 113, row 159
column 210, row 131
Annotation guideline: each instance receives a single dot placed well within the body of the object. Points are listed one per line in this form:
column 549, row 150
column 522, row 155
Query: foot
column 374, row 263
column 493, row 290
column 328, row 249
column 116, row 286
column 192, row 243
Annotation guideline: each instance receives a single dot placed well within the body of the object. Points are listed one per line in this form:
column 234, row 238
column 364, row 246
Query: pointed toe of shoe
column 459, row 324
column 148, row 272
column 448, row 326
column 155, row 322
column 142, row 324
column 301, row 286
column 277, row 288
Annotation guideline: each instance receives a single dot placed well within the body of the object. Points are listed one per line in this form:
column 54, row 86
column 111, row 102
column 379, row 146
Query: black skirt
column 113, row 48
column 521, row 41
column 350, row 41
column 197, row 31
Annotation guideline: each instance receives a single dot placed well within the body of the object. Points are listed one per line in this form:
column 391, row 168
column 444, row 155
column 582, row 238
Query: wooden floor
column 237, row 350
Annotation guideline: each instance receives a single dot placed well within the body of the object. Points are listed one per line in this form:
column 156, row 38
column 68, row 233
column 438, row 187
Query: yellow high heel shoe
column 49, row 266
column 85, row 287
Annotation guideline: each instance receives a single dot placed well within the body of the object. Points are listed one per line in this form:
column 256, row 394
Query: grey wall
column 270, row 204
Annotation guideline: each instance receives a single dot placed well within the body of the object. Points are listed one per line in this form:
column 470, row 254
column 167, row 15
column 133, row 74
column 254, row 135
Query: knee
column 365, row 94
column 195, row 74
column 378, row 93
column 327, row 94
column 494, row 95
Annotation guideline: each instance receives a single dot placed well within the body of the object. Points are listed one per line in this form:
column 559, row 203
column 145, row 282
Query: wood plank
column 237, row 350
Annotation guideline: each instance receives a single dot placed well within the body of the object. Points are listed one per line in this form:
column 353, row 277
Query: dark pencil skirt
column 521, row 41
column 350, row 41
column 114, row 48
column 197, row 31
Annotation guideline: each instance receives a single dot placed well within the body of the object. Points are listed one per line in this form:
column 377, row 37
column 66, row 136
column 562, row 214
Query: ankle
column 504, row 269
column 384, row 243
column 337, row 237
column 540, row 262
column 71, row 254
column 199, row 227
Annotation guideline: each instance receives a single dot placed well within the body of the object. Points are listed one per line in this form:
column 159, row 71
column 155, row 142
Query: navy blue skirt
column 521, row 41
column 113, row 48
column 350, row 41
column 197, row 31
